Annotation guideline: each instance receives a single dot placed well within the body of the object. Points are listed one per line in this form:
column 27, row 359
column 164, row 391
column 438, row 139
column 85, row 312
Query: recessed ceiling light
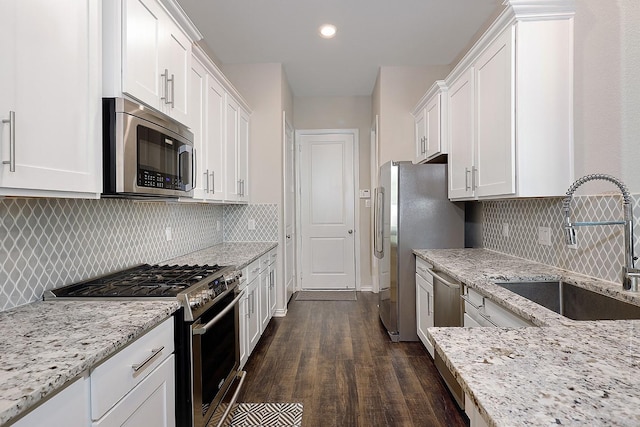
column 328, row 31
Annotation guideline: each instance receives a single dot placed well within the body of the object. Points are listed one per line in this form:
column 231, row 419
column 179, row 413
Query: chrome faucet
column 630, row 274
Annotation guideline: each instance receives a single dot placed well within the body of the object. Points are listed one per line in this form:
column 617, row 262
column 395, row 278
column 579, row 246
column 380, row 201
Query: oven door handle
column 201, row 330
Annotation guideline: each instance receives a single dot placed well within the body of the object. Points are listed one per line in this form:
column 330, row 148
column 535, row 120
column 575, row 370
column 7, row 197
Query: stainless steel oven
column 145, row 153
column 215, row 353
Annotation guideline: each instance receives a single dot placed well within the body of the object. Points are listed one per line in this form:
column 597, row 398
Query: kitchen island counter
column 565, row 372
column 47, row 344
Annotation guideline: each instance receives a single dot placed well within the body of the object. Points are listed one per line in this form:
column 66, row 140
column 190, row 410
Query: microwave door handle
column 194, row 167
column 182, row 150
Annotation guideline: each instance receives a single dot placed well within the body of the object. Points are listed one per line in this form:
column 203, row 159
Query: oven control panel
column 204, row 295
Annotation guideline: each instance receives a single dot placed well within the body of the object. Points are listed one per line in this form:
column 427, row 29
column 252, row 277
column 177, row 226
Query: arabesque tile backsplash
column 600, row 251
column 46, row 243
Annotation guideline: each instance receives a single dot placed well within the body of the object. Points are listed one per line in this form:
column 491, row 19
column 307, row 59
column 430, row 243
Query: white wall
column 607, row 91
column 396, row 93
column 345, row 113
column 260, row 85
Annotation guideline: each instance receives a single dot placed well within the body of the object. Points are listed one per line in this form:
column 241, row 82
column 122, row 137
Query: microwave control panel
column 159, row 180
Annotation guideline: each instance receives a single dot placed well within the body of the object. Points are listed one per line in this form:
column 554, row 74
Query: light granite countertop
column 563, row 373
column 238, row 254
column 46, row 344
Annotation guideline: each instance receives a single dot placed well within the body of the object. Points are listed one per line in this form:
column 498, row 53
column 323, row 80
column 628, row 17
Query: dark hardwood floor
column 336, row 358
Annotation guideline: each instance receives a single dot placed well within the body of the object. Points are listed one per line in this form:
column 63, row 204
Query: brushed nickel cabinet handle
column 136, row 367
column 173, row 91
column 12, row 141
column 165, row 79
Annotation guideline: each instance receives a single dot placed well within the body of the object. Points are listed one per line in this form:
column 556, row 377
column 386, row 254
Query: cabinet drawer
column 264, row 261
column 473, row 297
column 253, row 270
column 422, row 269
column 150, row 403
column 503, row 317
column 115, row 377
column 273, row 256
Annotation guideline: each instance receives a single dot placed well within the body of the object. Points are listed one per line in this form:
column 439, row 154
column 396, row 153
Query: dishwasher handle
column 443, row 280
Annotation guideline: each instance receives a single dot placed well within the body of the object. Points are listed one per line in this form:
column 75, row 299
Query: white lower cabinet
column 69, row 407
column 424, row 303
column 150, row 404
column 273, row 281
column 258, row 304
column 253, row 318
column 136, row 386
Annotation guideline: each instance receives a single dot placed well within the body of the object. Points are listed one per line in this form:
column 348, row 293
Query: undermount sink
column 573, row 301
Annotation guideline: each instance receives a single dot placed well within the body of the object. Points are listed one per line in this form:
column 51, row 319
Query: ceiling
column 371, row 33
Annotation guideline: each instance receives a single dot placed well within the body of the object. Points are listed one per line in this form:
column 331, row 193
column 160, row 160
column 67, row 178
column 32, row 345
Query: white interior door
column 327, row 210
column 289, row 211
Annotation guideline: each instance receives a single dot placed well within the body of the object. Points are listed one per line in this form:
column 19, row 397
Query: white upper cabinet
column 220, row 123
column 147, row 55
column 461, row 135
column 430, row 117
column 510, row 98
column 237, row 151
column 50, row 98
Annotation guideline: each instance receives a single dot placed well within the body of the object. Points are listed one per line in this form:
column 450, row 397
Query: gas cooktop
column 193, row 285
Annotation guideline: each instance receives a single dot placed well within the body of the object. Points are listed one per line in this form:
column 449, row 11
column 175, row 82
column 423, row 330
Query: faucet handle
column 570, row 235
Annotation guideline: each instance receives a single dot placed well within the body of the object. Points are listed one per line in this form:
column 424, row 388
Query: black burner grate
column 141, row 281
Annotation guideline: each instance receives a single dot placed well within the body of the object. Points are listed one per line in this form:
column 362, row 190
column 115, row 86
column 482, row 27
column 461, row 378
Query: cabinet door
column 215, row 139
column 461, row 132
column 69, row 408
column 197, row 122
column 50, row 72
column 243, row 153
column 421, row 136
column 141, row 73
column 150, row 403
column 272, row 289
column 433, row 132
column 264, row 300
column 175, row 60
column 244, row 329
column 424, row 310
column 232, row 179
column 254, row 316
column 495, row 138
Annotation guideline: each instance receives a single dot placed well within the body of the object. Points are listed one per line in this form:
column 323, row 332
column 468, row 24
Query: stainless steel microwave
column 145, row 153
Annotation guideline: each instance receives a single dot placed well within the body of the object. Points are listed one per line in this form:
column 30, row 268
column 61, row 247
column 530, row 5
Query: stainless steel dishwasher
column 447, row 311
column 447, row 305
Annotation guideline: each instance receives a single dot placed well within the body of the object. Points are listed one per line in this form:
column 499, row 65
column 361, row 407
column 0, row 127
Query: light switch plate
column 365, row 194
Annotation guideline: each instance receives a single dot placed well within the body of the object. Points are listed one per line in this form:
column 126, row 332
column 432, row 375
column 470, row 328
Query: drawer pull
column 153, row 354
column 487, row 318
column 468, row 300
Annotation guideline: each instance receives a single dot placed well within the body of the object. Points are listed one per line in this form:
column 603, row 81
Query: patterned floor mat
column 264, row 415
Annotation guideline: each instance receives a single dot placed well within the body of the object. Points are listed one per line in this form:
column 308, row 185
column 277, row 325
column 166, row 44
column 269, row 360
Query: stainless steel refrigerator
column 412, row 211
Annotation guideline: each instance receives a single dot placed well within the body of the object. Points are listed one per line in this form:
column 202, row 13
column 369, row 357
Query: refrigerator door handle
column 378, row 223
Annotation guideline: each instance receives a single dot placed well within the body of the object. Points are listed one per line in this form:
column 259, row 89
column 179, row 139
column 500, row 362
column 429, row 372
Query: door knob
column 350, row 231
